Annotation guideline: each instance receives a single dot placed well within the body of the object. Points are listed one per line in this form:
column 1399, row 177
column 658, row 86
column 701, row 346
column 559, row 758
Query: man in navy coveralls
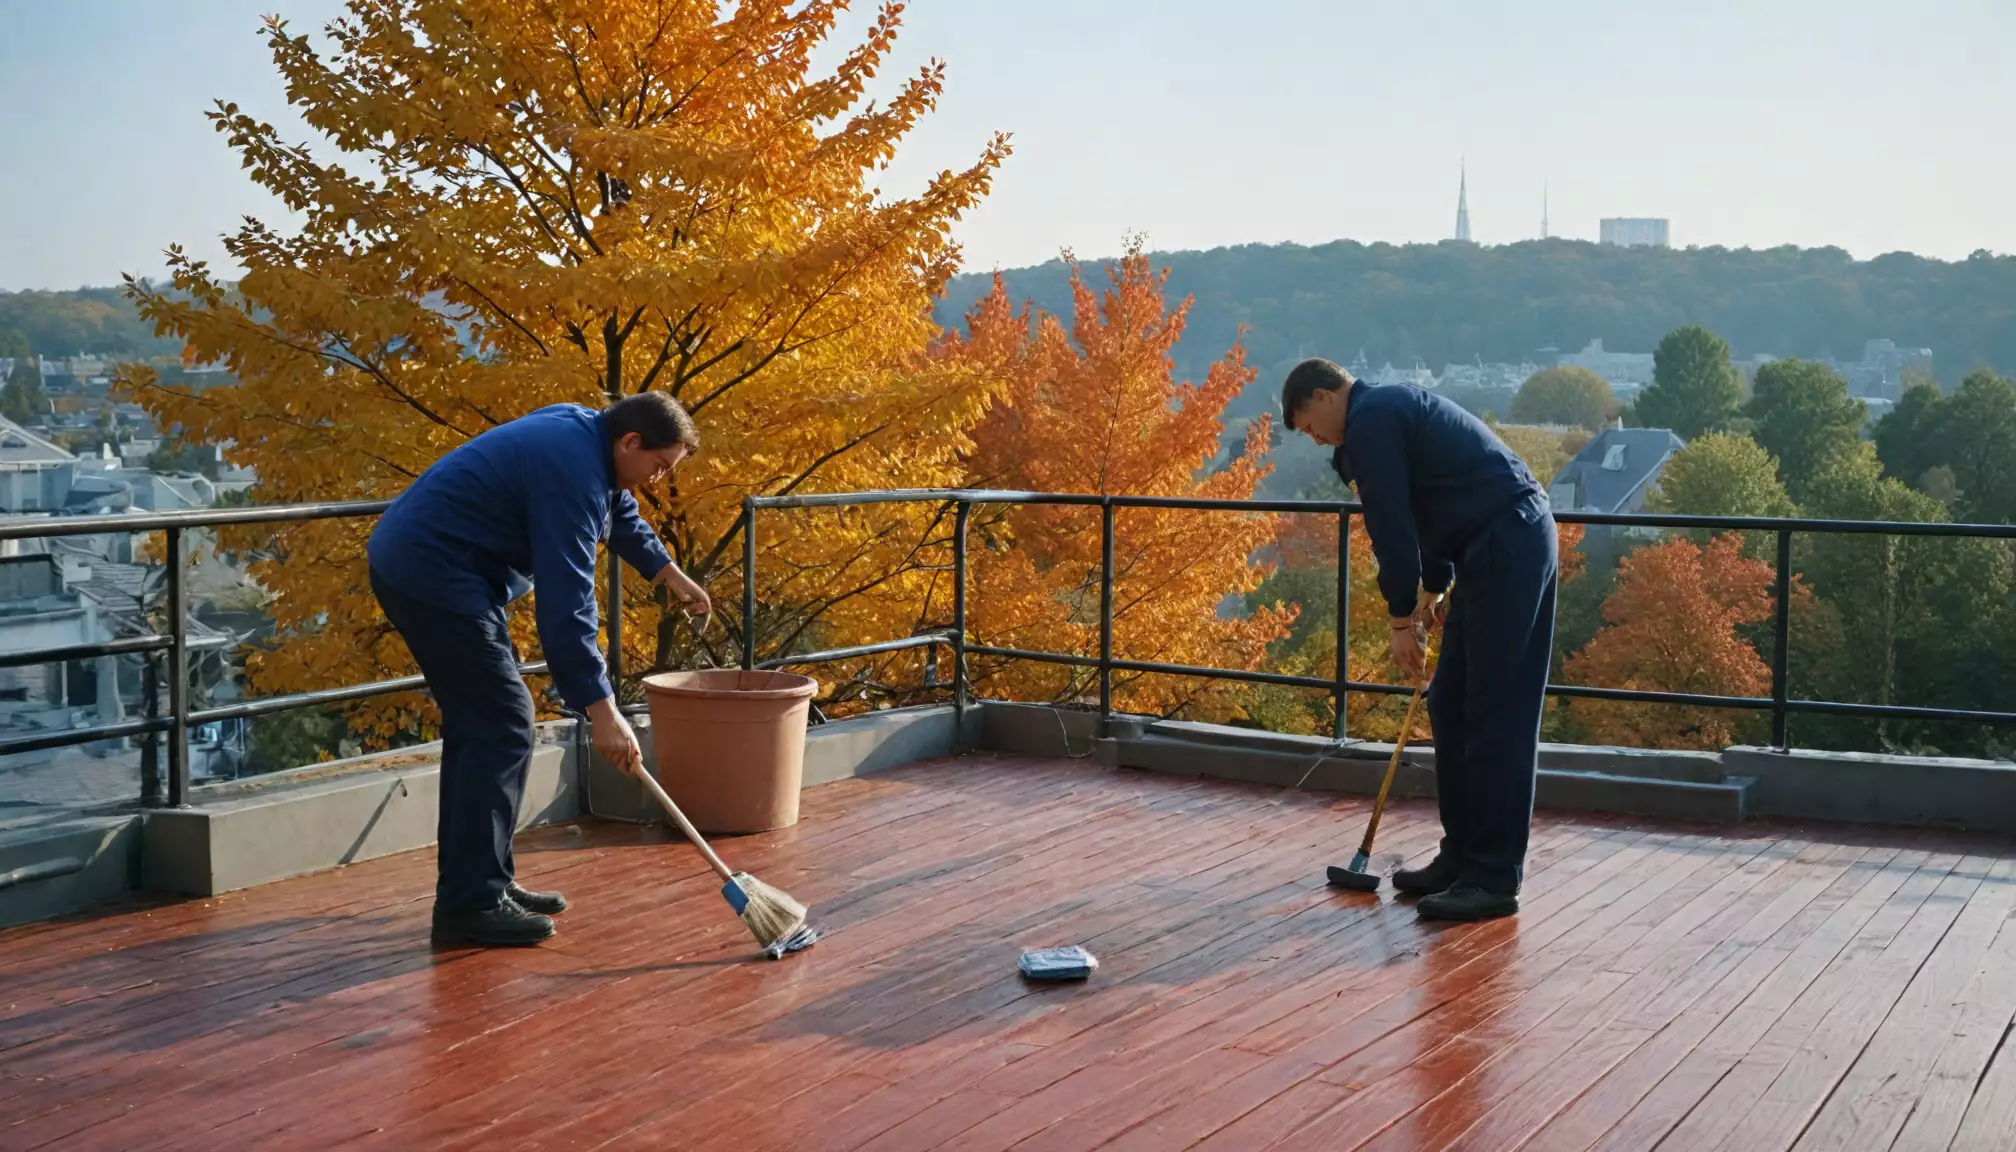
column 1445, row 498
column 523, row 504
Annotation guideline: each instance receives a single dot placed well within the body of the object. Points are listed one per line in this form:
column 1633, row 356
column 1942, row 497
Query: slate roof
column 1635, row 457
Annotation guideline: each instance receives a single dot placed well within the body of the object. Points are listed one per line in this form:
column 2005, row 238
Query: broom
column 1355, row 876
column 773, row 917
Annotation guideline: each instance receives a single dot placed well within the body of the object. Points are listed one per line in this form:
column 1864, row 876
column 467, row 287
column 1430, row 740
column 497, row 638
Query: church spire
column 1463, row 202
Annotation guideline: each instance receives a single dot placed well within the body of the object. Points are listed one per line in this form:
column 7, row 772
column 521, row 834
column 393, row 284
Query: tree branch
column 506, row 316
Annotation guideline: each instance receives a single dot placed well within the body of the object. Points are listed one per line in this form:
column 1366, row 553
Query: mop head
column 803, row 938
column 775, row 919
column 1073, row 963
column 1355, row 876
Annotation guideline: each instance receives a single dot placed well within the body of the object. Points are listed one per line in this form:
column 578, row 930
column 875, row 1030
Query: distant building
column 1881, row 372
column 1615, row 472
column 1418, row 375
column 77, row 375
column 1636, row 232
column 1493, row 377
column 1877, row 379
column 173, row 493
column 1626, row 371
column 39, row 608
column 34, row 473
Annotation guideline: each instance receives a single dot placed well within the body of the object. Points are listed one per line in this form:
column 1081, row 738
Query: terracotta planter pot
column 730, row 745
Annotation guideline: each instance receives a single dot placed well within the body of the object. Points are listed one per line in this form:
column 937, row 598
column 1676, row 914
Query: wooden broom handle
column 1392, row 766
column 1399, row 746
column 685, row 825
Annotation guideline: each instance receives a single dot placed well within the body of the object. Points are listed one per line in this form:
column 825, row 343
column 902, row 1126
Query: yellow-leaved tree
column 525, row 202
column 1092, row 409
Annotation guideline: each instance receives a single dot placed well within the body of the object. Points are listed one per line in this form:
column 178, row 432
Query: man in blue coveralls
column 523, row 504
column 1443, row 498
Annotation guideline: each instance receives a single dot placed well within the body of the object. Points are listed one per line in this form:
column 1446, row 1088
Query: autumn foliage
column 1675, row 624
column 1092, row 409
column 526, row 203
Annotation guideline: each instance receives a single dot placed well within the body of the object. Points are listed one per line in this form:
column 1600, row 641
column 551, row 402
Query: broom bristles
column 771, row 915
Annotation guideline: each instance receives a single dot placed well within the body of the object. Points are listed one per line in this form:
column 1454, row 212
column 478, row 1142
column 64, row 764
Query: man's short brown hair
column 1305, row 380
column 656, row 417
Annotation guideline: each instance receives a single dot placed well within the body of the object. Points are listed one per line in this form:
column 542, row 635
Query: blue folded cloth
column 1073, row 963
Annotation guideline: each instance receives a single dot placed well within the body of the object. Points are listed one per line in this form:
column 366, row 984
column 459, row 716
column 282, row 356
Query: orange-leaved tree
column 1675, row 623
column 527, row 202
column 1093, row 409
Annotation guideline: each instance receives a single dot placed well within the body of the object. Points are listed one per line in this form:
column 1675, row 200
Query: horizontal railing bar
column 1038, row 657
column 921, row 640
column 36, row 528
column 71, row 737
column 1155, row 668
column 266, row 705
column 1748, row 703
column 1901, row 712
column 120, row 647
column 1332, row 507
column 294, row 513
column 921, row 495
column 1792, row 524
column 1636, row 695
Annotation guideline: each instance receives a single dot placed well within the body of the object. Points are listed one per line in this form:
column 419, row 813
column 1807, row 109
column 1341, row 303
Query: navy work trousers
column 1489, row 686
column 487, row 720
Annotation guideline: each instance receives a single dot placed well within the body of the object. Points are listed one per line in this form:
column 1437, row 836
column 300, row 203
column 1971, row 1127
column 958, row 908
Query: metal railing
column 1779, row 703
column 175, row 646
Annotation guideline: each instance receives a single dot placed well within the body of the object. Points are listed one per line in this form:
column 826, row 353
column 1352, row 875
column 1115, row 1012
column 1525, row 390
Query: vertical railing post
column 959, row 687
column 1105, row 611
column 748, row 582
column 178, row 671
column 1780, row 681
column 1343, row 619
column 616, row 627
column 150, row 745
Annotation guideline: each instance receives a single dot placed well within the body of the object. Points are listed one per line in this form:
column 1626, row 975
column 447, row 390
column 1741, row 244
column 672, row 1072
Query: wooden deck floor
column 1752, row 988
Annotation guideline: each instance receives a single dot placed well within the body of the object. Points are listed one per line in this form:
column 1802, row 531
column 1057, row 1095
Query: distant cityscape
column 88, row 454
column 1878, row 379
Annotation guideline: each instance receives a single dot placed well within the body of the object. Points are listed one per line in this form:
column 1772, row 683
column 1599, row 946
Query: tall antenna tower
column 1463, row 202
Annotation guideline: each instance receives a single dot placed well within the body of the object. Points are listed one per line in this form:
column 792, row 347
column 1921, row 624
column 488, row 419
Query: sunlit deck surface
column 1680, row 987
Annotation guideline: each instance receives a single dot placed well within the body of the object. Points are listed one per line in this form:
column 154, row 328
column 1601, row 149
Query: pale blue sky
column 1875, row 125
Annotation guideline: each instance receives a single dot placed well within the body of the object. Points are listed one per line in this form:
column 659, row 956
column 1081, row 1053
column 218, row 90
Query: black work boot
column 544, row 903
column 504, row 926
column 1438, row 876
column 1467, row 902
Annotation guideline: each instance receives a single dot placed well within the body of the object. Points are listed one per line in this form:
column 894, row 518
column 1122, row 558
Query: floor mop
column 1354, row 876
